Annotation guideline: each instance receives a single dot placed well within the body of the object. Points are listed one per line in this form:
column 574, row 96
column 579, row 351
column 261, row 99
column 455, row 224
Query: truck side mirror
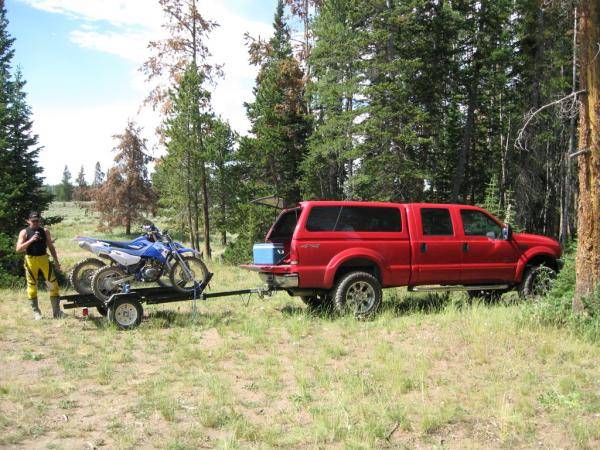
column 507, row 232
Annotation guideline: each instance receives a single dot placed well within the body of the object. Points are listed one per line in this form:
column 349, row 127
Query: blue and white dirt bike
column 149, row 258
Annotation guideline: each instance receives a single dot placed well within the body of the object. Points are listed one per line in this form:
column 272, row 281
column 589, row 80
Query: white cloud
column 124, row 28
column 81, row 136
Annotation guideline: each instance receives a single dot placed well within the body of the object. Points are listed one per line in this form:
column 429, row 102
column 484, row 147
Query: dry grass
column 272, row 374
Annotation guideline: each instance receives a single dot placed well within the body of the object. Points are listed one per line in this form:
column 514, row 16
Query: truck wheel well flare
column 543, row 259
column 358, row 265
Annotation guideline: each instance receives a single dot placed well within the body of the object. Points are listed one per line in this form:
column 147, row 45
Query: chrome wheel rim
column 360, row 297
column 126, row 314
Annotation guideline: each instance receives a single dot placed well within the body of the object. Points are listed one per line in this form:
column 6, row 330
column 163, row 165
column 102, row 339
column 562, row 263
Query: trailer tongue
column 125, row 308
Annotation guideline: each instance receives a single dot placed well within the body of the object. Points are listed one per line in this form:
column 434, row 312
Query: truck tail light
column 293, row 254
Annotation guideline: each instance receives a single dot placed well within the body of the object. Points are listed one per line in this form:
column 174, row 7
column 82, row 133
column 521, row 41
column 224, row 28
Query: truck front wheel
column 537, row 282
column 358, row 293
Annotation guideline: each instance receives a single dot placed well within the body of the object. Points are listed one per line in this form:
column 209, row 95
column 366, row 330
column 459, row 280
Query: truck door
column 436, row 247
column 487, row 258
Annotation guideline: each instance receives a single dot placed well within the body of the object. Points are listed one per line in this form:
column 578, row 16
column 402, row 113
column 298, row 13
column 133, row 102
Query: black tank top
column 37, row 248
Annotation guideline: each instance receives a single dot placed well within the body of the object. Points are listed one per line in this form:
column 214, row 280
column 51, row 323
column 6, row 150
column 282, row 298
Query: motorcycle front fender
column 183, row 250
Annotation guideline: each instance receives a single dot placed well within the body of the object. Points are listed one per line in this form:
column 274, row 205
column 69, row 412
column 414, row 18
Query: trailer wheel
column 126, row 313
column 358, row 293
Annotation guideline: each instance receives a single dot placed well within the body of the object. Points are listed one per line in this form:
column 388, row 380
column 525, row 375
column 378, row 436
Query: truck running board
column 485, row 287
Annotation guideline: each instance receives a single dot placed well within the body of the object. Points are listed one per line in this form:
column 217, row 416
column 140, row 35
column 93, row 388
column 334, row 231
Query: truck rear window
column 436, row 222
column 354, row 218
column 285, row 226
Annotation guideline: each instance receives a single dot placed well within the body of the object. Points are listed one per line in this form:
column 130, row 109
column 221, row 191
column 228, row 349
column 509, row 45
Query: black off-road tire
column 537, row 282
column 199, row 278
column 80, row 278
column 126, row 313
column 358, row 293
column 97, row 279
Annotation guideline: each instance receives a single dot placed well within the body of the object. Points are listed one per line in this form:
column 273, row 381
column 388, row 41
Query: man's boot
column 37, row 314
column 56, row 312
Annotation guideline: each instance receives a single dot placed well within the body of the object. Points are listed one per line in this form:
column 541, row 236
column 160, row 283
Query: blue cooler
column 268, row 253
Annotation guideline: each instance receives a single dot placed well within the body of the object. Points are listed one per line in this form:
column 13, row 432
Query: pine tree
column 588, row 210
column 81, row 191
column 280, row 123
column 492, row 202
column 65, row 188
column 21, row 184
column 225, row 175
column 332, row 92
column 180, row 176
column 98, row 176
column 127, row 193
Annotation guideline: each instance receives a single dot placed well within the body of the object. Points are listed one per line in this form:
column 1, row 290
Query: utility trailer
column 125, row 308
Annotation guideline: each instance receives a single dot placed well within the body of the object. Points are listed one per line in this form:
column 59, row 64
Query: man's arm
column 50, row 245
column 22, row 244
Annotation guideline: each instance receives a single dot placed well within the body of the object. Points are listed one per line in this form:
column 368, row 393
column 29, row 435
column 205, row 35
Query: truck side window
column 476, row 223
column 323, row 218
column 436, row 222
column 363, row 218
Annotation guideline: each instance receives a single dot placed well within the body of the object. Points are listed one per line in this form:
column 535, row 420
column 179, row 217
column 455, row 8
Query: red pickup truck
column 345, row 252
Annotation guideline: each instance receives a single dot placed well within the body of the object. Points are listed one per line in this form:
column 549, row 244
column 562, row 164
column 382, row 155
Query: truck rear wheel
column 358, row 293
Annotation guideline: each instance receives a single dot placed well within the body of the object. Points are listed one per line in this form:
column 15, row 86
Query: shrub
column 556, row 309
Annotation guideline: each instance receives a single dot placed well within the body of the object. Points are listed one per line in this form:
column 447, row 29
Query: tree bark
column 588, row 211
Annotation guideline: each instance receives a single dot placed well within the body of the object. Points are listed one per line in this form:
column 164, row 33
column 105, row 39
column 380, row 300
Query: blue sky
column 80, row 60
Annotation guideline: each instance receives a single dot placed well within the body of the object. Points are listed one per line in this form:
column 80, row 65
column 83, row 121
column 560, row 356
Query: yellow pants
column 33, row 266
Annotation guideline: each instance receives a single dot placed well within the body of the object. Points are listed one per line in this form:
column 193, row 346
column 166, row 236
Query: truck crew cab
column 345, row 252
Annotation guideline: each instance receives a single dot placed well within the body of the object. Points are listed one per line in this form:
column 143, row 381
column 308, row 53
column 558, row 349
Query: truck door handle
column 465, row 247
column 423, row 247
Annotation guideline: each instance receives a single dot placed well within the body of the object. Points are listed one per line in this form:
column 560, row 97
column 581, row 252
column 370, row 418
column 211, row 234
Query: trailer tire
column 359, row 293
column 126, row 313
column 81, row 275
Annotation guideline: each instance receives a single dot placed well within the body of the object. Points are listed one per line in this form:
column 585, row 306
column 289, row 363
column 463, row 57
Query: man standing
column 34, row 241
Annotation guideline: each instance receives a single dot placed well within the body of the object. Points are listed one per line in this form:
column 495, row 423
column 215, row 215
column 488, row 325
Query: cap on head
column 34, row 215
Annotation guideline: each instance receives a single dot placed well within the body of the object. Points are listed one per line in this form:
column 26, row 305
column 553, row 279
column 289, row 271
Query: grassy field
column 427, row 372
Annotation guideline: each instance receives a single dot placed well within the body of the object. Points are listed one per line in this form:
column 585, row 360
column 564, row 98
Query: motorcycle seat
column 118, row 244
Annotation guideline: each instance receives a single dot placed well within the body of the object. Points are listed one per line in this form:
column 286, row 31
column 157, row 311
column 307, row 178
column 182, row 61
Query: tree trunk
column 205, row 209
column 567, row 192
column 588, row 211
column 459, row 175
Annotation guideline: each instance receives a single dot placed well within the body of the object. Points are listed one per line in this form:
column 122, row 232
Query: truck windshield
column 285, row 226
